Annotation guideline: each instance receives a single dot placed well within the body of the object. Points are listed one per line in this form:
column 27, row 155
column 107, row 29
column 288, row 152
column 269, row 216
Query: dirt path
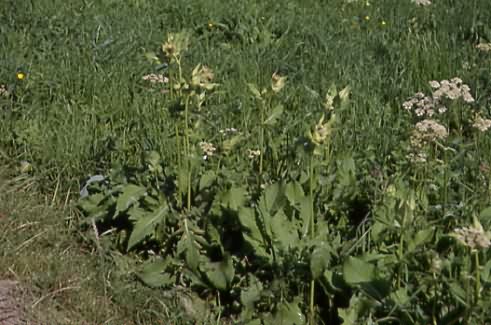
column 10, row 305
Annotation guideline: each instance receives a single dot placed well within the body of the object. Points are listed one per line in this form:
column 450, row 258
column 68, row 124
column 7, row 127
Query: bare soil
column 11, row 310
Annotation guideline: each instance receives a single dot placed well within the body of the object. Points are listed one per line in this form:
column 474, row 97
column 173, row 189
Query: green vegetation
column 288, row 162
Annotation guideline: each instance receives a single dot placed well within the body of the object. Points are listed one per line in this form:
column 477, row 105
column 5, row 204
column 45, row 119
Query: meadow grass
column 82, row 106
column 83, row 109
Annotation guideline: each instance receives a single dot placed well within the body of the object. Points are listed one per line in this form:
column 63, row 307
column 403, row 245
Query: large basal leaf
column 154, row 274
column 220, row 274
column 251, row 233
column 146, row 225
column 234, row 198
column 251, row 294
column 93, row 205
column 270, row 200
column 287, row 314
column 192, row 253
column 284, row 231
column 188, row 247
column 130, row 194
column 207, row 179
column 294, row 193
column 357, row 271
column 319, row 260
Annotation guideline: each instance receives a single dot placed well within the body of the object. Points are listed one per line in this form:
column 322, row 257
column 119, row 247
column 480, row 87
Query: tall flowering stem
column 268, row 114
column 320, row 138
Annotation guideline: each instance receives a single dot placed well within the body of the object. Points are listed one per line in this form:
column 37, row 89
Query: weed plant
column 289, row 162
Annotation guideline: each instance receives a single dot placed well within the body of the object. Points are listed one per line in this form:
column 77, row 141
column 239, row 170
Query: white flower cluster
column 422, row 2
column 207, row 148
column 482, row 124
column 427, row 131
column 228, row 131
column 453, row 89
column 155, row 78
column 474, row 236
column 424, row 105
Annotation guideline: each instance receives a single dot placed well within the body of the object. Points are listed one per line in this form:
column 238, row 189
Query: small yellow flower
column 383, row 23
column 20, row 75
column 367, row 18
column 210, row 25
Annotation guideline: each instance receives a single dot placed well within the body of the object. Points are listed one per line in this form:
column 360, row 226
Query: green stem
column 477, row 294
column 445, row 182
column 401, row 253
column 312, row 234
column 179, row 161
column 187, row 153
column 433, row 316
column 467, row 287
column 261, row 143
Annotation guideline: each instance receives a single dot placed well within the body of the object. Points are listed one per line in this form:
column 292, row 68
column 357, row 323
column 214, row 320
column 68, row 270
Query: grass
column 83, row 109
column 64, row 281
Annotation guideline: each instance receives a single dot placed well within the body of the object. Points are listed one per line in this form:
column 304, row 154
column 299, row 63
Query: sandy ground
column 11, row 312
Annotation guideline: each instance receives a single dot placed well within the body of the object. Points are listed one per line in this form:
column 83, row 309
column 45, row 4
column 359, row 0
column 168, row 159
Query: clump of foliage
column 275, row 236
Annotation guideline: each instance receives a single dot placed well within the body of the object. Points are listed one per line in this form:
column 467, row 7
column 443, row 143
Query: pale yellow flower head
column 278, row 82
column 3, row 91
column 176, row 43
column 485, row 47
column 202, row 77
column 322, row 130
